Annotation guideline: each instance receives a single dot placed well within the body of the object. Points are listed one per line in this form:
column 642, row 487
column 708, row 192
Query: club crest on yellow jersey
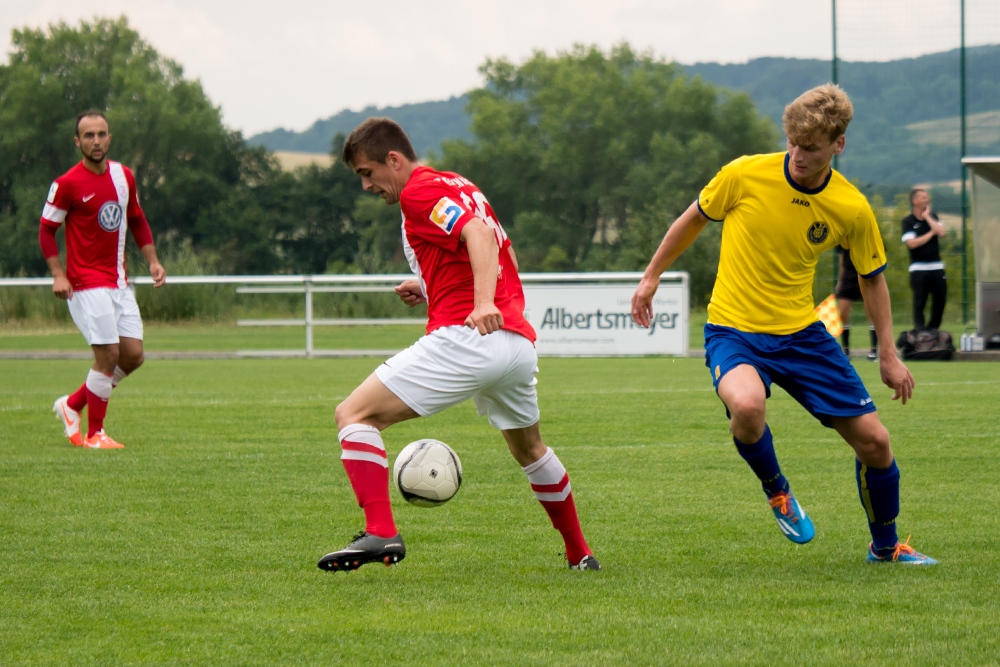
column 818, row 231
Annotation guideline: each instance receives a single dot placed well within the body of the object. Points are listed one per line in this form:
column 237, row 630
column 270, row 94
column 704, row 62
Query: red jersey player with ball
column 97, row 202
column 478, row 345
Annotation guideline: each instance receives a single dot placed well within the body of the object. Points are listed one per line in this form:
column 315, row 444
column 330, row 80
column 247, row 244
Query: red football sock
column 550, row 482
column 77, row 401
column 367, row 466
column 98, row 392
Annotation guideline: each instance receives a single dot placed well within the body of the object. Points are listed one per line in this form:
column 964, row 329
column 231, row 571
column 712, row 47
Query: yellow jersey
column 772, row 235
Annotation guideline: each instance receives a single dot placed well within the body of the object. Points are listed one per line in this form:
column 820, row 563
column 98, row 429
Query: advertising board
column 596, row 320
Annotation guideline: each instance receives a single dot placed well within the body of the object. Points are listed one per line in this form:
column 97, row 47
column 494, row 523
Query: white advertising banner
column 596, row 320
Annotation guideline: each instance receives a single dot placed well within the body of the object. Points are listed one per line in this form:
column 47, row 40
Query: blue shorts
column 808, row 364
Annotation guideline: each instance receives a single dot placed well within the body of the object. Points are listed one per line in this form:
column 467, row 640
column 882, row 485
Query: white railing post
column 309, row 317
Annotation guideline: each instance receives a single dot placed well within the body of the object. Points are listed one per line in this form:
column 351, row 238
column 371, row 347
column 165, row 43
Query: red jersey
column 436, row 206
column 97, row 210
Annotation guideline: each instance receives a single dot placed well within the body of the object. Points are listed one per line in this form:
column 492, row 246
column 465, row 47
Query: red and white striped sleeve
column 137, row 223
column 56, row 205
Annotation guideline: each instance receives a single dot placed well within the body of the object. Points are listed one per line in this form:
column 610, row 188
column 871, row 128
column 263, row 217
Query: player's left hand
column 409, row 292
column 158, row 273
column 896, row 376
column 486, row 317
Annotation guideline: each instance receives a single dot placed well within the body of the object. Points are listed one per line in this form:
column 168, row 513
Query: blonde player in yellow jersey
column 781, row 211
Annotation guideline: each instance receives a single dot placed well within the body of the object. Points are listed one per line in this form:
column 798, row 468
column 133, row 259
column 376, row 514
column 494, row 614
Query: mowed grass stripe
column 197, row 543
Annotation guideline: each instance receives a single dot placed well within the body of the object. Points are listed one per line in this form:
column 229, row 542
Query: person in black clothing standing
column 847, row 292
column 921, row 230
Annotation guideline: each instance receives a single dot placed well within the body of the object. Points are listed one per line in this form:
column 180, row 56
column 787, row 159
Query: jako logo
column 800, row 202
column 446, row 213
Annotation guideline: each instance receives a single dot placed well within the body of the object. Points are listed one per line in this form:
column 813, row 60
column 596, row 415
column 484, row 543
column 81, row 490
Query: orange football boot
column 101, row 441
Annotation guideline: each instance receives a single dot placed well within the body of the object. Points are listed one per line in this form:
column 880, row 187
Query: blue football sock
column 764, row 462
column 879, row 492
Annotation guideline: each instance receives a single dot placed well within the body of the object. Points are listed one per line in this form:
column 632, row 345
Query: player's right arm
column 713, row 203
column 53, row 215
column 481, row 244
column 61, row 286
column 680, row 235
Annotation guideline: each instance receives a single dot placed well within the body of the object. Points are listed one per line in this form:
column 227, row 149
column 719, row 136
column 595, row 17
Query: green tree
column 587, row 156
column 163, row 127
column 324, row 231
column 281, row 222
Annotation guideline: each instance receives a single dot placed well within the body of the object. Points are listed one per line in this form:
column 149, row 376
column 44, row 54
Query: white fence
column 565, row 309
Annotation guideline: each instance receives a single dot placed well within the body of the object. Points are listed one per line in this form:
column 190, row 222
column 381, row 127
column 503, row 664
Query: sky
column 289, row 63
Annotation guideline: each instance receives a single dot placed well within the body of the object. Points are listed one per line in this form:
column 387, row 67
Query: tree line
column 586, row 156
column 883, row 154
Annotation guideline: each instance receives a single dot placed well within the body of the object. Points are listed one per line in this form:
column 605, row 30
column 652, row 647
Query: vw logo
column 110, row 216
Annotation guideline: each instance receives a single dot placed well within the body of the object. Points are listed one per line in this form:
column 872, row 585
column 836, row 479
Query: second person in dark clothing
column 921, row 230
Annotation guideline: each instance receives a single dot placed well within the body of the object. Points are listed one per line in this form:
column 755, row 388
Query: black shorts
column 848, row 287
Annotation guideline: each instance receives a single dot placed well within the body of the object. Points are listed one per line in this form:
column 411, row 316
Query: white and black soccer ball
column 427, row 473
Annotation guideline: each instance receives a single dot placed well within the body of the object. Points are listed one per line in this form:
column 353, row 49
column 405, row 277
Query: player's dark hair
column 375, row 138
column 87, row 114
column 913, row 193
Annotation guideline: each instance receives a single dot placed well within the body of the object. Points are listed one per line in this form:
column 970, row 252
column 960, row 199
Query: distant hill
column 427, row 123
column 890, row 140
column 889, row 88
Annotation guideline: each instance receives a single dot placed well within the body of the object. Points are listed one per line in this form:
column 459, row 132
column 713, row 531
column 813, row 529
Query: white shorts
column 452, row 364
column 102, row 314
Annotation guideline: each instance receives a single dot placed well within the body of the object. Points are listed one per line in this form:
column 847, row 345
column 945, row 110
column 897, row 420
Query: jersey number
column 481, row 213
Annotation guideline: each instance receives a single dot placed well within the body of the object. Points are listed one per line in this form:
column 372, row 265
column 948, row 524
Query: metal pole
column 965, row 203
column 834, row 3
column 834, row 80
column 309, row 318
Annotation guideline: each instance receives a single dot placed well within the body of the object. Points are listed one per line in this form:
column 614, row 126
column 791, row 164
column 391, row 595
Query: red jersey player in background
column 478, row 345
column 97, row 201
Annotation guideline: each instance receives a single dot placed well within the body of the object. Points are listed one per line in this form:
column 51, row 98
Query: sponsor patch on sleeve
column 446, row 213
column 52, row 193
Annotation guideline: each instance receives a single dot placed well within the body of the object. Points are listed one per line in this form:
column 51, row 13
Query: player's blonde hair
column 824, row 109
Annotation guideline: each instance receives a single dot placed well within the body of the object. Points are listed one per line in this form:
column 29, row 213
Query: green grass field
column 160, row 337
column 197, row 544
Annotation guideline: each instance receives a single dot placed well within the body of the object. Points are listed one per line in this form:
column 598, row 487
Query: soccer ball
column 427, row 473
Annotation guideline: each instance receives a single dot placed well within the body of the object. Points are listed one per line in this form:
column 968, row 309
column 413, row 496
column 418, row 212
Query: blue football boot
column 903, row 553
column 791, row 518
